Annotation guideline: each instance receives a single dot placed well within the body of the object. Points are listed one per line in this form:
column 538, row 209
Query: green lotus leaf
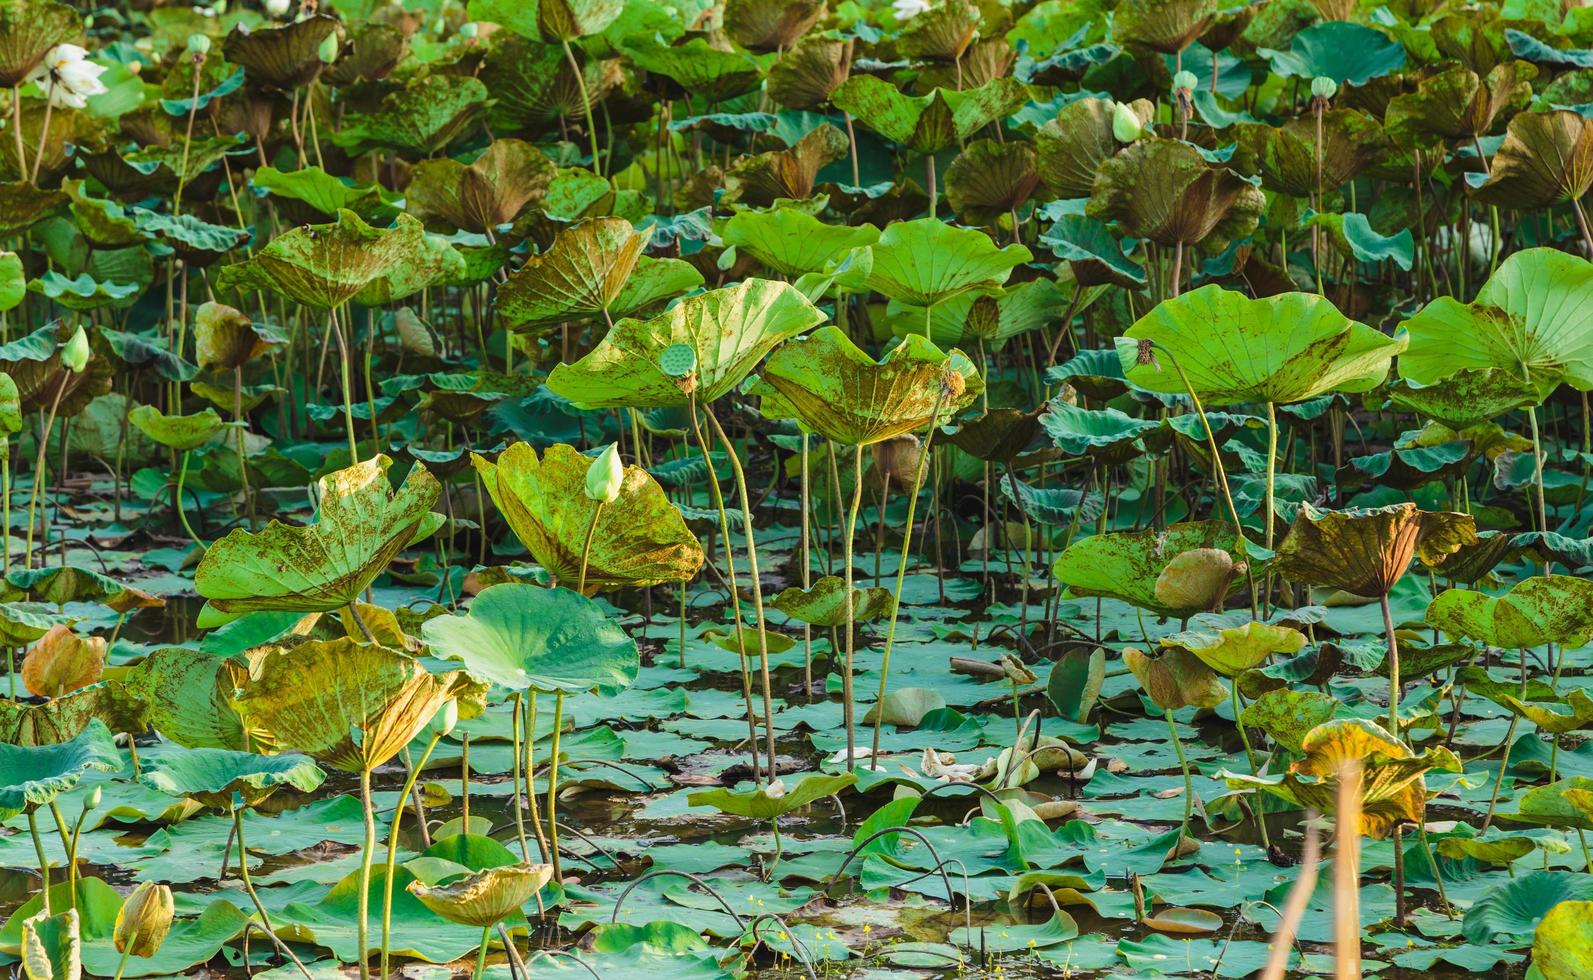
column 51, row 946
column 1562, row 943
column 1537, row 701
column 767, row 179
column 28, row 30
column 281, row 57
column 325, row 266
column 1352, row 235
column 1466, row 398
column 1231, row 651
column 1565, row 803
column 1538, row 610
column 927, row 123
column 1175, row 678
column 793, row 242
column 507, row 177
column 23, row 622
column 835, row 389
column 323, row 192
column 1284, row 348
column 189, row 693
column 762, row 805
column 1510, row 910
column 1457, row 104
column 1341, row 50
column 824, row 603
column 1289, row 158
column 104, row 223
column 56, row 143
column 195, row 242
column 1094, row 255
column 640, row 538
column 344, row 704
column 369, row 55
column 421, row 118
column 1501, row 851
column 770, row 25
column 525, row 637
column 1528, row 323
column 990, row 179
column 82, row 293
column 1071, row 147
column 730, row 329
column 1125, row 565
column 925, row 261
column 32, row 776
column 1407, row 469
column 212, row 776
column 433, row 262
column 696, row 66
column 10, row 414
column 1546, row 158
column 567, row 20
column 64, row 718
column 226, row 338
column 1164, row 190
column 362, row 523
column 1105, row 435
column 809, row 72
column 1287, row 716
column 1167, row 26
column 179, row 432
column 1365, row 551
column 484, row 898
column 992, row 314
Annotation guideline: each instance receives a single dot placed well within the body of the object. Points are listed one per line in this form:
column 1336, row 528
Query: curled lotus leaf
column 773, row 801
column 226, row 338
column 836, row 389
column 824, row 603
column 61, row 584
column 1457, row 104
column 362, row 523
column 1175, row 678
column 325, row 266
column 765, row 179
column 64, row 718
column 1167, row 26
column 1071, row 147
column 941, row 33
column 1546, row 159
column 280, row 57
column 1000, row 435
column 23, row 622
column 507, row 177
column 1103, row 435
column 731, row 329
column 179, row 432
column 1539, row 610
column 1537, row 701
column 1289, row 157
column 695, row 65
column 1126, row 565
column 484, row 898
column 370, row 54
column 28, row 30
column 792, row 242
column 532, row 84
column 809, row 72
column 52, row 946
column 83, row 292
column 32, row 776
column 1232, row 650
column 1343, row 51
column 62, row 662
column 212, row 776
column 770, row 25
column 990, row 179
column 1468, row 397
column 344, row 704
column 566, row 20
column 1499, row 851
column 1365, row 551
column 640, row 538
column 925, row 261
column 1562, row 942
column 1164, row 190
column 189, row 694
column 1196, row 579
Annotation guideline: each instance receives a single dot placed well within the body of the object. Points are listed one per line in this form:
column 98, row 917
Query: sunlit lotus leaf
column 493, row 190
column 1126, row 565
column 226, row 338
column 1536, row 700
column 1164, row 190
column 212, row 776
column 990, row 179
column 1284, row 348
column 344, row 704
column 362, row 523
column 1468, row 397
column 927, row 123
column 1364, row 551
column 1340, row 50
column 1175, row 678
column 62, row 662
column 484, row 898
column 82, row 293
column 1538, row 610
column 179, row 432
column 1497, row 851
column 1231, row 651
column 924, row 261
column 525, row 637
column 793, row 242
column 824, row 604
column 421, row 118
column 992, row 314
column 695, row 65
column 592, row 268
column 52, row 948
column 28, row 30
column 1474, row 37
column 10, row 414
column 1071, row 147
column 1562, row 943
column 1168, row 26
column 764, row 179
column 189, row 693
column 839, row 391
column 1565, row 803
column 1546, row 158
column 942, row 32
column 281, row 57
column 32, row 776
column 322, row 191
column 1456, row 104
column 809, row 72
column 761, row 804
column 641, row 538
column 1529, row 323
column 770, row 25
column 325, row 266
column 1287, row 715
column 1196, row 579
column 729, row 329
column 433, row 262
column 1286, row 156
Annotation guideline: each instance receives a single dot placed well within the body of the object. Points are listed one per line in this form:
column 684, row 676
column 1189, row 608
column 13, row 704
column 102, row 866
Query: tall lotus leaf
column 567, row 20
column 838, row 391
column 1539, row 610
column 362, row 523
column 1232, row 650
column 64, row 718
column 761, row 805
column 22, row 205
column 927, row 123
column 581, row 274
column 1071, row 147
column 1287, row 156
column 28, row 30
column 322, row 191
column 992, row 314
column 924, row 261
column 32, row 776
column 1537, row 701
column 1530, row 321
column 1106, row 435
column 824, row 604
column 325, row 266
column 369, row 55
column 1126, row 565
column 1466, row 398
column 729, row 330
column 809, row 72
column 1366, row 551
column 942, row 32
column 1456, row 104
column 533, row 85
column 1562, row 942
column 1340, row 50
column 1175, row 678
column 695, row 65
column 179, row 432
column 793, row 242
column 280, row 57
column 491, row 191
column 434, row 262
column 640, row 538
column 525, row 637
column 1546, row 158
column 421, row 118
column 82, row 293
column 763, row 179
column 344, row 704
column 226, row 338
column 212, row 776
column 1164, row 190
column 990, row 179
column 1168, row 26
column 189, row 693
column 1284, row 348
column 770, row 25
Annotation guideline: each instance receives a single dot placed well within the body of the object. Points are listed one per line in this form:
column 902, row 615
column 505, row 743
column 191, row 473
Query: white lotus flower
column 908, row 9
column 278, row 8
column 69, row 77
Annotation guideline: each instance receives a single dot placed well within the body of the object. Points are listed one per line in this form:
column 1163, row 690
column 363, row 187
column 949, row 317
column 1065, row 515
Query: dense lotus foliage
column 721, row 488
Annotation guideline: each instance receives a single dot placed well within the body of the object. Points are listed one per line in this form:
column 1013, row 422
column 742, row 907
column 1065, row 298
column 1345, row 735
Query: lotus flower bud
column 605, row 476
column 1126, row 127
column 443, row 722
column 327, row 52
column 75, row 354
column 775, row 789
column 144, row 920
column 1184, row 83
column 199, row 45
column 278, row 8
column 469, row 31
column 1323, row 87
column 92, row 800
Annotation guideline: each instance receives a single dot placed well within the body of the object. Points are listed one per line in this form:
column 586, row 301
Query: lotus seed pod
column 1323, row 87
column 1126, row 127
column 75, row 355
column 605, row 476
column 144, row 920
column 1185, row 81
column 198, row 44
column 678, row 360
column 1195, row 579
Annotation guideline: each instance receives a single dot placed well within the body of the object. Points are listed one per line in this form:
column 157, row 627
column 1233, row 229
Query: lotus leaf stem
column 553, row 786
column 366, row 851
column 392, row 848
column 259, row 906
column 44, row 860
column 848, row 710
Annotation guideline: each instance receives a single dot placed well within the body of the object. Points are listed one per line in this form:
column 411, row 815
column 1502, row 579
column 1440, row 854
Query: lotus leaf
column 824, row 603
column 282, row 57
column 1164, row 190
column 1339, row 50
column 1562, row 943
column 179, row 432
column 1539, row 610
column 1546, row 158
column 766, row 804
column 32, row 776
column 28, row 30
column 325, row 266
column 1365, row 551
column 484, row 898
column 793, row 242
column 1231, row 651
column 62, row 662
column 926, row 261
column 1291, row 161
column 1071, row 148
column 509, row 175
column 1174, row 678
column 1126, row 565
column 213, row 776
column 927, row 123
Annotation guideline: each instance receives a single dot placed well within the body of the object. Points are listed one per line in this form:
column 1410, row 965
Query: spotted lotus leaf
column 325, row 266
column 1365, row 551
column 1539, row 610
column 1126, row 565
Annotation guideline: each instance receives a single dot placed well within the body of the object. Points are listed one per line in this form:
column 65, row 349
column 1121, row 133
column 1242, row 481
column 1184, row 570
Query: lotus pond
column 660, row 488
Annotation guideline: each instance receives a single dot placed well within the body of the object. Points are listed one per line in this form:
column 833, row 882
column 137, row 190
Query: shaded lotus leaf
column 1407, row 469
column 212, row 776
column 1364, row 551
column 769, row 803
column 67, row 134
column 22, row 205
column 1168, row 26
column 1197, row 579
column 281, row 57
column 83, row 293
column 1175, row 678
column 1537, row 701
column 226, row 338
column 323, row 192
column 1106, row 436
column 29, row 29
column 32, row 776
column 793, row 242
column 105, row 223
column 990, row 179
column 196, row 242
column 1126, row 565
column 1457, row 104
column 770, row 25
column 52, row 948
column 1343, row 51
column 325, row 266
column 10, row 413
column 370, row 54
column 1094, row 255
column 179, row 432
column 62, row 662
column 1051, row 506
column 64, row 718
column 1071, row 147
column 61, row 584
column 1164, row 190
column 1181, row 921
column 189, row 693
column 1562, row 942
column 148, row 351
column 486, row 897
column 361, row 524
column 1475, row 38
column 809, row 72
column 33, row 362
column 764, row 179
column 1288, row 716
column 695, row 66
column 834, row 388
column 492, row 191
column 1352, row 235
column 925, row 261
column 640, row 538
column 170, row 165
column 728, row 329
column 595, row 267
column 1286, row 156
column 567, row 20
column 942, row 32
column 999, row 435
column 1546, row 158
column 525, row 637
column 1285, row 348
column 1468, row 397
column 1538, row 610
column 824, row 603
column 532, row 84
column 1498, row 851
column 421, row 118
column 1231, row 651
column 1528, row 322
column 927, row 123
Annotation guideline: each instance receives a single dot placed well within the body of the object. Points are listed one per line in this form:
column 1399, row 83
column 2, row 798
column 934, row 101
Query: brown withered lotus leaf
column 1457, row 104
column 1546, row 158
column 985, row 59
column 1175, row 678
column 28, row 30
column 770, row 25
column 989, row 179
column 63, row 718
column 1071, row 148
column 69, row 132
column 1167, row 26
column 492, row 191
column 1196, row 579
column 280, row 57
column 809, row 72
column 22, row 205
column 533, row 85
column 942, row 33
column 762, row 179
column 999, row 435
column 1164, row 190
column 62, row 662
column 1365, row 551
column 1286, row 156
column 131, row 598
column 370, row 55
column 1227, row 24
column 226, row 338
